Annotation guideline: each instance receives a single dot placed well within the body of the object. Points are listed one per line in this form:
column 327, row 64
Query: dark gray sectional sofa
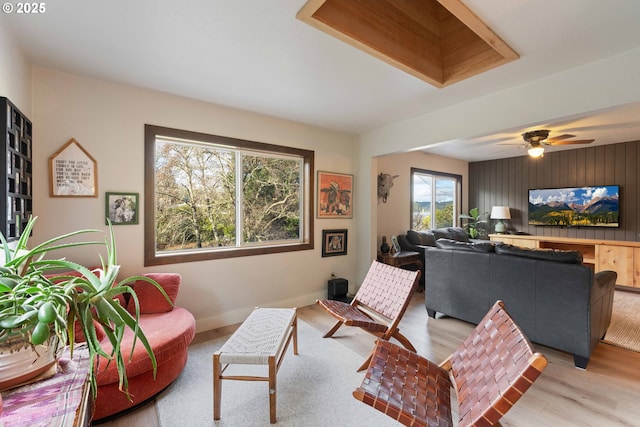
column 416, row 241
column 553, row 297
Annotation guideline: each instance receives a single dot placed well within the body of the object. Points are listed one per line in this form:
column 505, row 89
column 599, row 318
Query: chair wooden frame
column 490, row 371
column 378, row 306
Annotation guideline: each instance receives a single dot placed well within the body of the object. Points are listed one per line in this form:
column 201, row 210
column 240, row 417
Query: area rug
column 624, row 330
column 313, row 389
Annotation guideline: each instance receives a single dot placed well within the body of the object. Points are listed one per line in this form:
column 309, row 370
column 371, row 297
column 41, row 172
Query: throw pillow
column 458, row 234
column 150, row 298
column 423, row 238
column 441, row 233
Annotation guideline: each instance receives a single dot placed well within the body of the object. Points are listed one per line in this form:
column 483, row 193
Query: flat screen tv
column 594, row 206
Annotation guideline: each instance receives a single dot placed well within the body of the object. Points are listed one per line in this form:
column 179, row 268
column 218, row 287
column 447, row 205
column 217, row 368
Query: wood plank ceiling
column 439, row 41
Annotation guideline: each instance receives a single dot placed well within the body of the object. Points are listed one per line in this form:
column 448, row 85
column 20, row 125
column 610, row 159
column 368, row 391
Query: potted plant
column 39, row 306
column 474, row 221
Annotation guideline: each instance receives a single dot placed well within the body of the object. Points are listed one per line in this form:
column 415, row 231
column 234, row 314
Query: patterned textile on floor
column 624, row 330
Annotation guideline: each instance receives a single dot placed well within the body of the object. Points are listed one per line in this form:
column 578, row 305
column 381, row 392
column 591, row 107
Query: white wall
column 15, row 74
column 107, row 119
column 394, row 216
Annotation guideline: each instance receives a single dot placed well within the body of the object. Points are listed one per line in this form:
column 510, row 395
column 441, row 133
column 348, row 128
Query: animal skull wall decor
column 385, row 182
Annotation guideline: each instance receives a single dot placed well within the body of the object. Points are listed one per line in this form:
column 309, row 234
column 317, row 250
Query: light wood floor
column 606, row 394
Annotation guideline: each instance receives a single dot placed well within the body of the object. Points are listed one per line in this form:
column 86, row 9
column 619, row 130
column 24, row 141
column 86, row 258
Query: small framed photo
column 334, row 242
column 122, row 208
column 395, row 244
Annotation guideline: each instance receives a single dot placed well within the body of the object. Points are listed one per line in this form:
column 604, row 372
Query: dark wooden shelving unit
column 16, row 165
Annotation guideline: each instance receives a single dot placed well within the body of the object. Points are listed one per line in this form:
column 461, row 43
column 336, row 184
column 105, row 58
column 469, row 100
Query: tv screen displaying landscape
column 596, row 206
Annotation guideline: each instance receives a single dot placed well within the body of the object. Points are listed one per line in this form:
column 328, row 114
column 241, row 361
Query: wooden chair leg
column 295, row 335
column 397, row 335
column 404, row 341
column 217, row 386
column 365, row 364
column 272, row 389
column 333, row 329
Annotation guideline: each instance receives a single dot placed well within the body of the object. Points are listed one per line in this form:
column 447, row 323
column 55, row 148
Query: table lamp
column 500, row 213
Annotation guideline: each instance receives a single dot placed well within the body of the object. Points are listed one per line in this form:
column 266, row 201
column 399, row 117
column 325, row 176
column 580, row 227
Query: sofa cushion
column 441, row 233
column 567, row 257
column 464, row 246
column 424, row 238
column 150, row 298
column 457, row 233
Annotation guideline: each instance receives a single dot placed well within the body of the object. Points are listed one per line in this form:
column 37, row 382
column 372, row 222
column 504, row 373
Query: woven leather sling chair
column 490, row 371
column 378, row 306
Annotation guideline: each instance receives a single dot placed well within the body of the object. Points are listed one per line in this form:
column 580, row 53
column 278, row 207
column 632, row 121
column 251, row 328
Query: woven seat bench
column 262, row 339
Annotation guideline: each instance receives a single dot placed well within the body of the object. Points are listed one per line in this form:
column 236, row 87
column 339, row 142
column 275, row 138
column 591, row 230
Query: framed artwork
column 122, row 208
column 335, row 195
column 73, row 172
column 334, row 242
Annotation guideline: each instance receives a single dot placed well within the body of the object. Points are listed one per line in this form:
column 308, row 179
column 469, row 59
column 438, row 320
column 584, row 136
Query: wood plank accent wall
column 506, row 182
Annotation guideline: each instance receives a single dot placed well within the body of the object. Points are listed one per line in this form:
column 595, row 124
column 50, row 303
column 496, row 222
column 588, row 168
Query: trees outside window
column 210, row 197
column 435, row 199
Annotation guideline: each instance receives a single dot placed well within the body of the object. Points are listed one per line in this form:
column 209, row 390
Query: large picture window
column 209, row 197
column 435, row 199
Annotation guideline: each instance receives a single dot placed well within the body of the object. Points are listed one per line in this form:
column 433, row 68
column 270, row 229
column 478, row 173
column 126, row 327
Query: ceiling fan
column 535, row 140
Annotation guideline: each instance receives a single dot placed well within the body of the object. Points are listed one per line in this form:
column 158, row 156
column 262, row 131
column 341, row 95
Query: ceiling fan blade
column 513, row 143
column 576, row 141
column 560, row 137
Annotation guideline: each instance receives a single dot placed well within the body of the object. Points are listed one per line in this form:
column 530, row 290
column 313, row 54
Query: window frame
column 151, row 257
column 457, row 206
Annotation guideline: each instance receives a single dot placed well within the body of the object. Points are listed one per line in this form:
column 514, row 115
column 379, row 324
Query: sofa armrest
column 601, row 308
column 603, row 283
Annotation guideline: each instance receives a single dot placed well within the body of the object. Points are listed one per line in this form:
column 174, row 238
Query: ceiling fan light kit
column 536, row 151
column 535, row 140
column 536, row 136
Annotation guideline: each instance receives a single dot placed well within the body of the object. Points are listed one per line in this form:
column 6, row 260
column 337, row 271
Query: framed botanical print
column 335, row 195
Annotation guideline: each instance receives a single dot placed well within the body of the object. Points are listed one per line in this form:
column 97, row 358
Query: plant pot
column 20, row 361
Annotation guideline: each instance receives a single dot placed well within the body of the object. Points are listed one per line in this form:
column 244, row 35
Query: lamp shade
column 500, row 212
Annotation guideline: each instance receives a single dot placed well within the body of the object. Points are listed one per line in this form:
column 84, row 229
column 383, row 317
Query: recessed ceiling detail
column 438, row 41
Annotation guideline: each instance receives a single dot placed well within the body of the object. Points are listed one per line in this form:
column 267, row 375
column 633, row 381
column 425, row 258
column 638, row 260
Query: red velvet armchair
column 169, row 329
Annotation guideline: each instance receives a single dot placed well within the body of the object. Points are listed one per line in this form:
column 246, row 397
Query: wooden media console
column 623, row 257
